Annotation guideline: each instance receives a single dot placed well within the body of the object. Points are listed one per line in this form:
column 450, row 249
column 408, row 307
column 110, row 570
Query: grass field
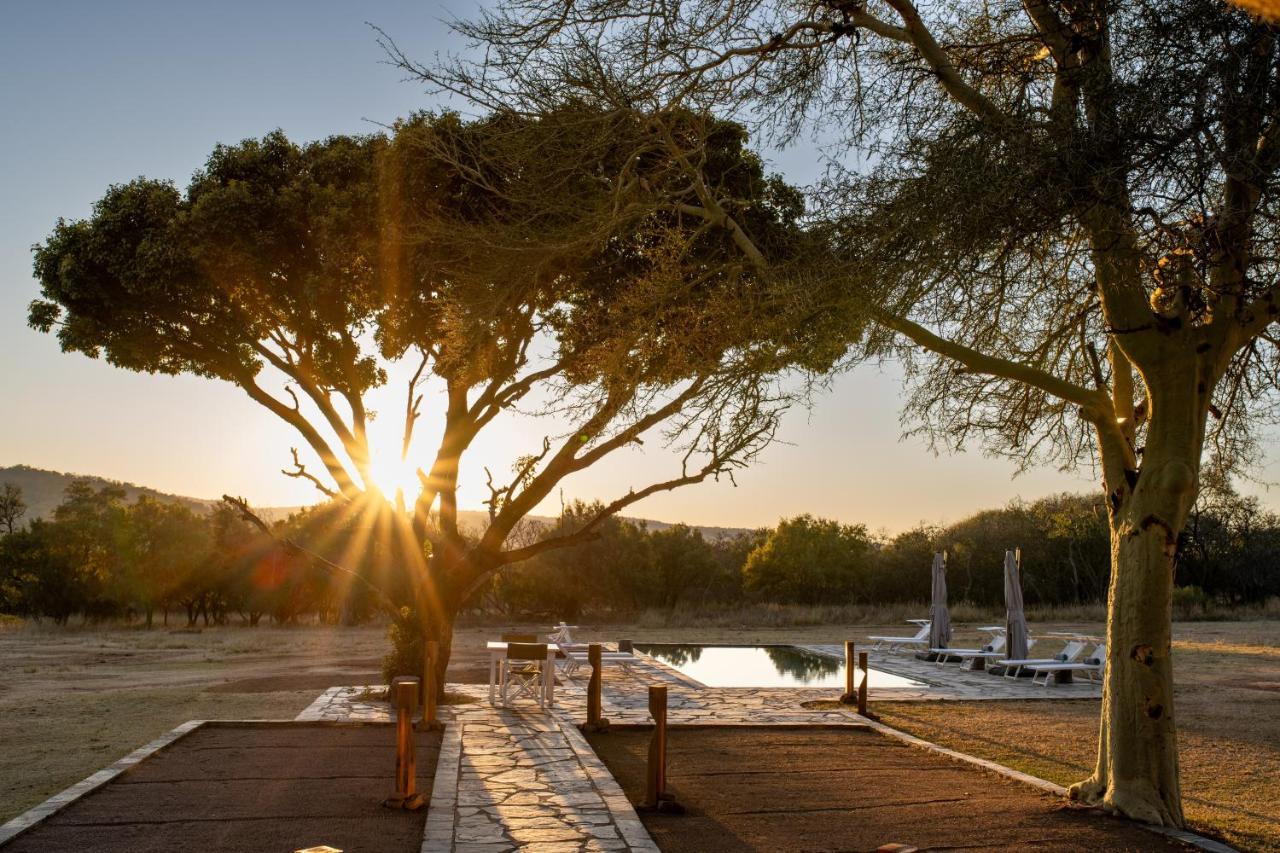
column 73, row 700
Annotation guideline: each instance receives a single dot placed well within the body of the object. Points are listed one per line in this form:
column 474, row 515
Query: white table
column 498, row 653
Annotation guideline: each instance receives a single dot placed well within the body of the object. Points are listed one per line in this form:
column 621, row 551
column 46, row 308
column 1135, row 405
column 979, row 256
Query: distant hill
column 42, row 490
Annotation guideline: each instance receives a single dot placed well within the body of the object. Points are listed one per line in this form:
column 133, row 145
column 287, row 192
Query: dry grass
column 1228, row 705
column 74, row 700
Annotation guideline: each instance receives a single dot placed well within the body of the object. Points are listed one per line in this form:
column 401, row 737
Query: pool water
column 761, row 666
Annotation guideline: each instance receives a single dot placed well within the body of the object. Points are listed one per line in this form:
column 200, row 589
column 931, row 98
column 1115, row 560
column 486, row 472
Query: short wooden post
column 657, row 782
column 404, row 693
column 429, row 698
column 862, row 686
column 850, row 688
column 656, row 796
column 595, row 722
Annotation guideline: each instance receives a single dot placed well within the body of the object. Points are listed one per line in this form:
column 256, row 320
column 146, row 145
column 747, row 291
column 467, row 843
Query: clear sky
column 94, row 93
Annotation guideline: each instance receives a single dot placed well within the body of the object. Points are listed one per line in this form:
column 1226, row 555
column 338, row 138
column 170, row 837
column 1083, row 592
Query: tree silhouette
column 512, row 260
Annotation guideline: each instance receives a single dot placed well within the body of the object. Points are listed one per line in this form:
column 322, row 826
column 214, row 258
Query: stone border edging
column 620, row 809
column 317, row 706
column 437, row 834
column 1191, row 838
column 34, row 815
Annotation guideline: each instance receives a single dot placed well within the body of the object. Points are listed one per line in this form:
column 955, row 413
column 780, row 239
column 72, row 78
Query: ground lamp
column 404, row 693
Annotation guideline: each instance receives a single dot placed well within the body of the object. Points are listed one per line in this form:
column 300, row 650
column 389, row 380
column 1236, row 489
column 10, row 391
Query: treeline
column 1227, row 556
column 103, row 558
column 100, row 557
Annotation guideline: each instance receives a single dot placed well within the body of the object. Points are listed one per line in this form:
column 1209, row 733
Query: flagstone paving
column 519, row 779
column 951, row 683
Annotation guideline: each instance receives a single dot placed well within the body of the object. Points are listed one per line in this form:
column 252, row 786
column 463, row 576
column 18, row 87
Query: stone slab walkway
column 510, row 779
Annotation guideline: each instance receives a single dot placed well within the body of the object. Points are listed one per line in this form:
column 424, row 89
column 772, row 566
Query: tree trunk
column 150, row 614
column 449, row 581
column 1136, row 773
column 440, row 630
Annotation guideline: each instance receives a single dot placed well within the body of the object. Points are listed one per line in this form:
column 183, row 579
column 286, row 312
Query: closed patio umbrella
column 1015, row 621
column 939, row 616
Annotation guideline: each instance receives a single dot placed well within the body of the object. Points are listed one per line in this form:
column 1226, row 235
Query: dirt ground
column 824, row 789
column 109, row 691
column 246, row 789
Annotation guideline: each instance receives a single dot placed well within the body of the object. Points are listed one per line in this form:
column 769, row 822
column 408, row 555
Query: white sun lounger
column 921, row 639
column 1093, row 665
column 967, row 656
column 1070, row 653
column 576, row 656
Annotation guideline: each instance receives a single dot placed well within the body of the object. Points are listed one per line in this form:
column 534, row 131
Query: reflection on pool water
column 761, row 666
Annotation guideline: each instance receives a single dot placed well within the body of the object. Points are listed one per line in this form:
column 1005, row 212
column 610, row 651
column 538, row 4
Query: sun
column 391, row 474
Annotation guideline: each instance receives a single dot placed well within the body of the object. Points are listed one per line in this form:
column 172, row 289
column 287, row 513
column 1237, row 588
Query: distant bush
column 407, row 654
column 1189, row 601
column 807, row 560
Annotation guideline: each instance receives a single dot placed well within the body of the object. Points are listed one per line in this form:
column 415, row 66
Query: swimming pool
column 761, row 666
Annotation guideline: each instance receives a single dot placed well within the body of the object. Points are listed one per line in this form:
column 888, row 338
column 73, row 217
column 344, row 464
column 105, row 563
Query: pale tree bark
column 1136, row 771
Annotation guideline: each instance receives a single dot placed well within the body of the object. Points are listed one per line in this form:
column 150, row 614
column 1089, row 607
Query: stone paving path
column 510, row 779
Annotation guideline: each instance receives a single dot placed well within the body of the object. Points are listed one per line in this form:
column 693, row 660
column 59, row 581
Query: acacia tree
column 1063, row 223
column 511, row 260
column 12, row 507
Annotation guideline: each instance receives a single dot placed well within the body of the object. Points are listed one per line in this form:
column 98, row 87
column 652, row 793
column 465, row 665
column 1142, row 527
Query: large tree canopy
column 1061, row 214
column 554, row 260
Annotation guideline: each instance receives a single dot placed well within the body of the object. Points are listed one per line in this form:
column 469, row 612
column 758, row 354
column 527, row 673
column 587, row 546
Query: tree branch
column 1095, row 402
column 933, row 54
column 300, row 471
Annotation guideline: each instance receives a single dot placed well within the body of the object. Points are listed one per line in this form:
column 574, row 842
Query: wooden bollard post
column 656, row 796
column 862, row 687
column 657, row 781
column 850, row 680
column 404, row 693
column 430, row 700
column 595, row 722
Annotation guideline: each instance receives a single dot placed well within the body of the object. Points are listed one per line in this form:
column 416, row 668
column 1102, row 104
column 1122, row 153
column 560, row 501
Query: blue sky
column 97, row 93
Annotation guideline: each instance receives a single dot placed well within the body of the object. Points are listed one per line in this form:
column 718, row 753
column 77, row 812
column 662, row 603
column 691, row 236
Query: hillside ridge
column 42, row 490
